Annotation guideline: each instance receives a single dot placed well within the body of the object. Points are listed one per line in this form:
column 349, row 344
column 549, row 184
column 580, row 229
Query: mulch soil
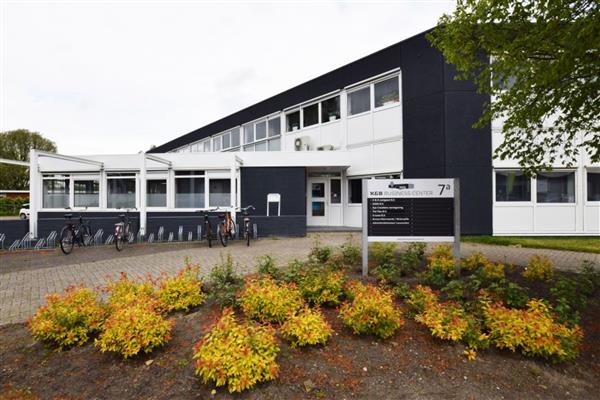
column 409, row 365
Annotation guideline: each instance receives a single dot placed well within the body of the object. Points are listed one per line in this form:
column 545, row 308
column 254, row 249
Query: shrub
column 388, row 274
column 441, row 265
column 539, row 268
column 69, row 319
column 266, row 301
column 419, row 298
column 294, row 272
column 126, row 292
column 266, row 266
column 474, row 262
column 534, row 331
column 412, row 258
column 383, row 253
column 308, row 327
column 134, row 328
column 236, row 355
column 402, row 290
column 455, row 290
column 445, row 320
column 513, row 295
column 352, row 288
column 323, row 286
column 319, row 253
column 372, row 312
column 350, row 253
column 490, row 272
column 224, row 283
column 182, row 291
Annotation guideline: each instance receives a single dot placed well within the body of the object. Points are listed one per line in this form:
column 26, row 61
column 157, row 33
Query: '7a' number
column 443, row 187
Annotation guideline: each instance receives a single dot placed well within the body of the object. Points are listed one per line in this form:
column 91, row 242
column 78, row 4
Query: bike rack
column 190, row 236
column 26, row 241
column 98, row 237
column 151, row 238
column 2, row 237
column 140, row 237
column 180, row 233
column 161, row 232
column 110, row 239
column 51, row 239
column 40, row 244
column 170, row 237
column 199, row 230
column 15, row 245
column 254, row 231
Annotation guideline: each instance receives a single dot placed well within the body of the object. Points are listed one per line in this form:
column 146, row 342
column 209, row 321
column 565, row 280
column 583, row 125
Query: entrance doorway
column 324, row 206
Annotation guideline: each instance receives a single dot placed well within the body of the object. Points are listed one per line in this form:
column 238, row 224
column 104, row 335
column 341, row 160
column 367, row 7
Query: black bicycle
column 74, row 233
column 208, row 233
column 248, row 231
column 123, row 230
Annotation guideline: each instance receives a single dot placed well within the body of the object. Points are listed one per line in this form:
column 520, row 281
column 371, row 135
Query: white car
column 24, row 211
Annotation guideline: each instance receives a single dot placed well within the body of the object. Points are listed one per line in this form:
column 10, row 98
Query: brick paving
column 23, row 290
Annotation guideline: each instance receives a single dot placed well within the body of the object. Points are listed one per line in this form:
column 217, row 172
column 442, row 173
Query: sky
column 115, row 77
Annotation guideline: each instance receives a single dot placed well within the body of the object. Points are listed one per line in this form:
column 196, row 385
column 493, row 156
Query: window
column 512, row 186
column 86, row 193
column 189, row 189
column 219, row 192
column 249, row 133
column 556, row 187
column 330, row 109
column 336, row 191
column 250, row 147
column 156, row 193
column 274, row 127
column 121, row 191
column 593, row 186
column 235, row 137
column 310, row 115
column 55, row 193
column 293, row 121
column 261, row 146
column 275, row 144
column 355, row 191
column 227, row 140
column 261, row 130
column 207, row 146
column 359, row 101
column 217, row 143
column 387, row 92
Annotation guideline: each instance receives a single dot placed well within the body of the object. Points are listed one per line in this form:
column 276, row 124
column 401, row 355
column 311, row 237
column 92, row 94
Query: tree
column 15, row 145
column 544, row 59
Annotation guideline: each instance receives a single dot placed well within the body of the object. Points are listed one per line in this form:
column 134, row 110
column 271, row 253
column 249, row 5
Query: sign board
column 410, row 210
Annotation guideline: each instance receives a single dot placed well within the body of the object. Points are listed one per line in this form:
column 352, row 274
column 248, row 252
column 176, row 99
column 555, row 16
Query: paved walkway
column 27, row 278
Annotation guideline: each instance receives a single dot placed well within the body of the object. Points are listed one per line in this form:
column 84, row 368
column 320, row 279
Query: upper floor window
column 249, row 133
column 387, row 92
column 274, row 127
column 260, row 130
column 330, row 109
column 293, row 121
column 359, row 101
column 217, row 143
column 310, row 115
column 206, row 146
column 235, row 137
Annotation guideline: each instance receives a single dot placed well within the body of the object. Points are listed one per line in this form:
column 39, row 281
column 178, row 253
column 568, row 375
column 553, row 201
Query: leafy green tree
column 15, row 145
column 545, row 61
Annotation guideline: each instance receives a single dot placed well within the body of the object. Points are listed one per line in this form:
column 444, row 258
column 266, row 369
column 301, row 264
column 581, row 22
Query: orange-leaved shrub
column 69, row 319
column 371, row 311
column 236, row 355
column 539, row 268
column 308, row 327
column 534, row 331
column 134, row 328
column 183, row 291
column 265, row 300
column 322, row 286
column 125, row 292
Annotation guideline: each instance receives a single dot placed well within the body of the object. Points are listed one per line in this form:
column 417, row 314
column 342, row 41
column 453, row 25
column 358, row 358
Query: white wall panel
column 553, row 219
column 513, row 219
column 591, row 219
column 360, row 129
column 360, row 161
column 387, row 123
column 353, row 215
column 331, row 134
column 387, row 157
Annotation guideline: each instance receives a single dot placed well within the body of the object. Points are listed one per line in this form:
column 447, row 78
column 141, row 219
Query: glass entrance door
column 318, row 190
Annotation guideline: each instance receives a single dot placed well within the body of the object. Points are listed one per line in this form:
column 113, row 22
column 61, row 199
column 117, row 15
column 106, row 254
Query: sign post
column 410, row 210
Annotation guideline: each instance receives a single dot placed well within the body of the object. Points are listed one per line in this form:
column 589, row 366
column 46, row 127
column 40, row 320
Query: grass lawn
column 588, row 244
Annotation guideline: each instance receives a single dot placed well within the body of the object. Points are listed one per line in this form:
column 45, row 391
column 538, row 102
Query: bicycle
column 247, row 224
column 208, row 234
column 123, row 230
column 226, row 229
column 71, row 233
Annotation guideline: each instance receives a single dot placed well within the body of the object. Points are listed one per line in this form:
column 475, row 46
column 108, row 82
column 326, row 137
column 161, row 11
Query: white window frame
column 532, row 186
column 575, row 183
column 86, row 177
column 371, row 84
column 175, row 177
column 158, row 176
column 131, row 174
column 586, row 170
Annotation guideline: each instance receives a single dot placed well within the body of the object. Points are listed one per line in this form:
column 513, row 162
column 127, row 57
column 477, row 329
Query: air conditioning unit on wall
column 302, row 143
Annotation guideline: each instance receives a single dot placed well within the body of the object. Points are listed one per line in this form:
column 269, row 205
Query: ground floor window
column 219, row 193
column 355, row 191
column 86, row 193
column 156, row 193
column 556, row 187
column 121, row 192
column 593, row 186
column 55, row 193
column 189, row 192
column 512, row 186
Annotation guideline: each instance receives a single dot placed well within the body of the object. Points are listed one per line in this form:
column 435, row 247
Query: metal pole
column 34, row 192
column 142, row 196
column 365, row 229
column 457, row 225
